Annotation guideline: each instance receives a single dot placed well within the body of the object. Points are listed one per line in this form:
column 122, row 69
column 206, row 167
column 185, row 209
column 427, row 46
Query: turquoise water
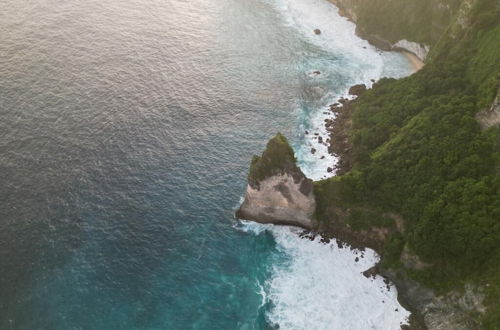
column 125, row 136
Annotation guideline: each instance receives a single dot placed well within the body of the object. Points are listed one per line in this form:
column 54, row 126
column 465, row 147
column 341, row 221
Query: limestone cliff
column 420, row 24
column 277, row 191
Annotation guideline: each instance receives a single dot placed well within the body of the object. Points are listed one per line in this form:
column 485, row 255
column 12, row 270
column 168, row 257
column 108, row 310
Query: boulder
column 357, row 90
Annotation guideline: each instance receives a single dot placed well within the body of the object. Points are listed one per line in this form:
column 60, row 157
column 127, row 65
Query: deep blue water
column 126, row 129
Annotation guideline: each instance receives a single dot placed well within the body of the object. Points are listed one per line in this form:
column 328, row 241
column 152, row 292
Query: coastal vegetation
column 419, row 151
column 420, row 176
column 277, row 158
column 421, row 21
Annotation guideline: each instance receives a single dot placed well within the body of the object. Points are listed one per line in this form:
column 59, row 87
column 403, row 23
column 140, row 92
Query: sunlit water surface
column 126, row 131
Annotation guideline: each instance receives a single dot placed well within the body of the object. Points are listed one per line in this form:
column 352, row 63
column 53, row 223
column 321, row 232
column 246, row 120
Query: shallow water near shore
column 126, row 133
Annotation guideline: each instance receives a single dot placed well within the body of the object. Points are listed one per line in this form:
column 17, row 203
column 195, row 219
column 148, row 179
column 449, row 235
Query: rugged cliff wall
column 427, row 148
column 277, row 191
column 411, row 25
column 422, row 184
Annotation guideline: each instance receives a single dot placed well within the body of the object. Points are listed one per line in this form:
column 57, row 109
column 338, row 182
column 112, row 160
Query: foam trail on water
column 337, row 36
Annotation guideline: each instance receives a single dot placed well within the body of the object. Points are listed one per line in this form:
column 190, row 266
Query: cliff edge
column 277, row 191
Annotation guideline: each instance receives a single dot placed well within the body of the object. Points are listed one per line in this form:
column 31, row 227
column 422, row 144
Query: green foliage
column 422, row 21
column 346, row 190
column 393, row 249
column 419, row 151
column 462, row 223
column 365, row 218
column 277, row 158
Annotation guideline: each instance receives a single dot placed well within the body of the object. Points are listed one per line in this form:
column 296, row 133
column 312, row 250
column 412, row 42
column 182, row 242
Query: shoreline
column 416, row 63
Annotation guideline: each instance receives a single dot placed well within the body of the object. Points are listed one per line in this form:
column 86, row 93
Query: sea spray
column 318, row 284
column 350, row 61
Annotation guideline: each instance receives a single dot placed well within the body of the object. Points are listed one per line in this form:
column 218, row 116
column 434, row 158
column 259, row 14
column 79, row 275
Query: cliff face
column 419, row 24
column 427, row 147
column 422, row 181
column 277, row 191
column 280, row 199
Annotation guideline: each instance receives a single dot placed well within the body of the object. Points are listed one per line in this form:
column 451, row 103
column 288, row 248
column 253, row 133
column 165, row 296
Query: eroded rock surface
column 277, row 191
column 280, row 199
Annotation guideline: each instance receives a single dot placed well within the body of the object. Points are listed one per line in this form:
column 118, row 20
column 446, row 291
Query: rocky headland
column 430, row 217
column 277, row 191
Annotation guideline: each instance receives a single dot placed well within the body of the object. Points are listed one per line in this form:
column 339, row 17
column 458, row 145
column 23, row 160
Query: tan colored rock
column 280, row 200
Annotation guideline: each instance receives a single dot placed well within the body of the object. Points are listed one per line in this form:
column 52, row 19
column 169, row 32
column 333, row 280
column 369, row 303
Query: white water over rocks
column 356, row 62
column 321, row 286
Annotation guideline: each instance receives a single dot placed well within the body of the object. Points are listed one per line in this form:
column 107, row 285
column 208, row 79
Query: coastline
column 416, row 63
column 377, row 41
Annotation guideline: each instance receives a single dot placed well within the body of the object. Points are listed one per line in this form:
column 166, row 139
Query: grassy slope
column 420, row 152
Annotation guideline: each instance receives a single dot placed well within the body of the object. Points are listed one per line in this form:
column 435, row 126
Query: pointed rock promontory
column 278, row 192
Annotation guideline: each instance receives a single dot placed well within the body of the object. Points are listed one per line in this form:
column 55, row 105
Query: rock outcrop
column 421, row 51
column 420, row 24
column 490, row 117
column 278, row 192
column 451, row 311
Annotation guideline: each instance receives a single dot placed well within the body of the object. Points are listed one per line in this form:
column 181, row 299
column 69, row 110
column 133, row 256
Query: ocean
column 126, row 132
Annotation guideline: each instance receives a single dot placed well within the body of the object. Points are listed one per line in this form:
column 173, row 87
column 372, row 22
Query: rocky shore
column 277, row 191
column 267, row 201
column 347, row 8
column 338, row 129
column 429, row 310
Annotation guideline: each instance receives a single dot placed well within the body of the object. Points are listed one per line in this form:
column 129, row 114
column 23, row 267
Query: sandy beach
column 416, row 62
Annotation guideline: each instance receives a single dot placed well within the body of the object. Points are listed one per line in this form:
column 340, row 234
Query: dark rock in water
column 322, row 157
column 320, row 139
column 306, row 132
column 372, row 80
column 307, row 234
column 317, row 72
column 325, row 240
column 304, row 233
column 371, row 272
column 316, row 134
column 357, row 89
column 313, row 151
column 356, row 260
column 329, row 170
column 364, row 47
column 317, row 31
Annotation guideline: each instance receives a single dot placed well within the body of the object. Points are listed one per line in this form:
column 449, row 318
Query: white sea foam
column 321, row 286
column 356, row 62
